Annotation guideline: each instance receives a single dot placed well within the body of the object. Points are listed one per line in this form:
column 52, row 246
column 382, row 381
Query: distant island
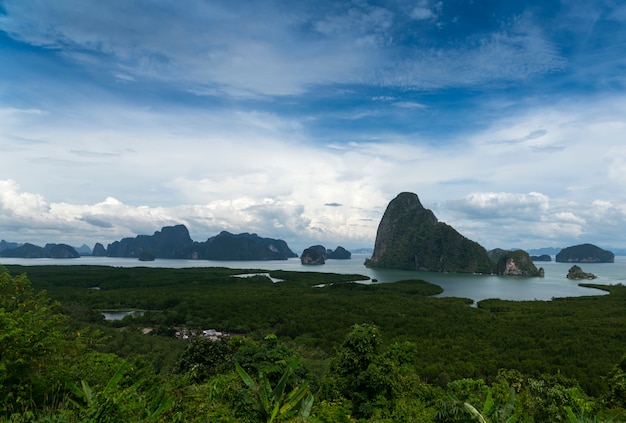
column 56, row 251
column 585, row 253
column 174, row 242
column 576, row 273
column 171, row 242
column 543, row 257
column 318, row 254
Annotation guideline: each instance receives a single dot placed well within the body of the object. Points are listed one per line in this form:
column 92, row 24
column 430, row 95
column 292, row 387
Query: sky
column 303, row 120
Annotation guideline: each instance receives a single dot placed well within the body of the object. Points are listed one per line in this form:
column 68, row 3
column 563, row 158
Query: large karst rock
column 244, row 246
column 60, row 251
column 339, row 253
column 172, row 242
column 410, row 237
column 315, row 254
column 318, row 254
column 585, row 253
column 99, row 250
column 576, row 272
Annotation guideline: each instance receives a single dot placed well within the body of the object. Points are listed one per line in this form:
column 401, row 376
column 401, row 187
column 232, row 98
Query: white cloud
column 409, row 105
column 420, row 13
column 18, row 203
column 248, row 171
column 501, row 204
column 233, row 157
column 570, row 217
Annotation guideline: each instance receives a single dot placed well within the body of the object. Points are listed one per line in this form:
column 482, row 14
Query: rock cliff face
column 517, row 263
column 410, row 237
column 585, row 253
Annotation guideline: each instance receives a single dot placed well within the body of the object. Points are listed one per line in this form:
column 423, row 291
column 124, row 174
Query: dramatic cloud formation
column 302, row 120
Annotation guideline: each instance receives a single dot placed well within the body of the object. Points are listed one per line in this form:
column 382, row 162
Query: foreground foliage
column 314, row 347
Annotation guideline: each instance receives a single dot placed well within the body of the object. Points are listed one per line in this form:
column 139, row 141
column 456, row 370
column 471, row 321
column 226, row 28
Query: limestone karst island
column 410, row 237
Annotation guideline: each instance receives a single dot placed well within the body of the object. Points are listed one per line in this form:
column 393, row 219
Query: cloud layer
column 302, row 121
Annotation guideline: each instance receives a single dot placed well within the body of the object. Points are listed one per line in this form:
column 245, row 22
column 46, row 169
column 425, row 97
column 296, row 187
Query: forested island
column 585, row 253
column 313, row 347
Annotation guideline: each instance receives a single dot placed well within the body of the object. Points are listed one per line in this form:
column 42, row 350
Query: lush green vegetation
column 315, row 347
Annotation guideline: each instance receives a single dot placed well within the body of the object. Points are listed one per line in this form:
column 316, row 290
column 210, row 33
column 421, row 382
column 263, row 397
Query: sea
column 474, row 286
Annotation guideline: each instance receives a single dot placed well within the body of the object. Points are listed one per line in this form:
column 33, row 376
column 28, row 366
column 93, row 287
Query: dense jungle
column 313, row 347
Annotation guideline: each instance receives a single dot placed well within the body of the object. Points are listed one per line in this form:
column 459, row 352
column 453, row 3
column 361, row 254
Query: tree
column 205, row 358
column 270, row 358
column 31, row 340
column 359, row 373
column 616, row 381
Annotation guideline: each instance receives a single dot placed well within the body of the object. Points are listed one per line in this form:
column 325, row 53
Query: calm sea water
column 476, row 287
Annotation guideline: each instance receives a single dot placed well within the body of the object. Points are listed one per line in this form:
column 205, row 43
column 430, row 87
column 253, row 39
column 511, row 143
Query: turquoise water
column 476, row 287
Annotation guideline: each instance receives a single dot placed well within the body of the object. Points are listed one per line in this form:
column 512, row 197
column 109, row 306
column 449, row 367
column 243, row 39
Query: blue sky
column 302, row 120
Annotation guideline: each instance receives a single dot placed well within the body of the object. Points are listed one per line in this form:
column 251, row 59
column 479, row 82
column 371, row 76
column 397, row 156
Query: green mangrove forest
column 202, row 345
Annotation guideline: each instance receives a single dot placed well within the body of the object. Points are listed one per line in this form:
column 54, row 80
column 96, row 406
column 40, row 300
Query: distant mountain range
column 33, row 251
column 174, row 242
column 171, row 242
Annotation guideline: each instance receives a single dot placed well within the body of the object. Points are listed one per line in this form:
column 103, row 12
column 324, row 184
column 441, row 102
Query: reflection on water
column 476, row 287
